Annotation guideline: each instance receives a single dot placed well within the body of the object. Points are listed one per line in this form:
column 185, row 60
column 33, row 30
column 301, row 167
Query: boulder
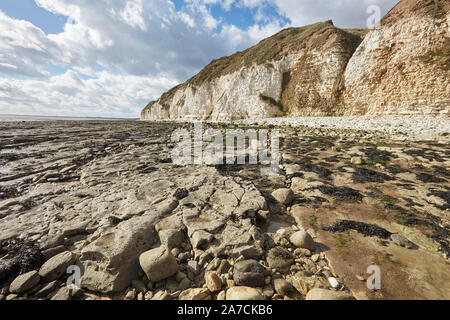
column 284, row 196
column 56, row 266
column 248, row 273
column 111, row 262
column 158, row 264
column 24, row 282
column 302, row 239
column 280, row 259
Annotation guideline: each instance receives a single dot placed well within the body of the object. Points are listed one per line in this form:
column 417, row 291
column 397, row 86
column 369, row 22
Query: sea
column 15, row 117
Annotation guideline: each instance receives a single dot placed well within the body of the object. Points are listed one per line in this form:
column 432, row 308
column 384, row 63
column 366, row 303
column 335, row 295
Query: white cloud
column 25, row 50
column 344, row 13
column 143, row 48
column 68, row 95
column 132, row 14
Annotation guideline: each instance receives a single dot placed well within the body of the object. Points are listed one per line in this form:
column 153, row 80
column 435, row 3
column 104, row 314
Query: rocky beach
column 105, row 196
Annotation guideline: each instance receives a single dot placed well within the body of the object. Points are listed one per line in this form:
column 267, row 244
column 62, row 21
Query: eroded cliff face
column 290, row 72
column 400, row 67
column 232, row 96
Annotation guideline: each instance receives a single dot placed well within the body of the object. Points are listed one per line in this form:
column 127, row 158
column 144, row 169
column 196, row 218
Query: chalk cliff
column 400, row 67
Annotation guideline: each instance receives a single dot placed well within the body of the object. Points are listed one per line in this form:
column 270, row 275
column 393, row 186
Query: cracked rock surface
column 99, row 194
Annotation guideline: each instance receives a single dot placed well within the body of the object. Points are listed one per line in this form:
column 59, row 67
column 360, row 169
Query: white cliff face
column 232, row 96
column 387, row 76
column 317, row 82
column 400, row 68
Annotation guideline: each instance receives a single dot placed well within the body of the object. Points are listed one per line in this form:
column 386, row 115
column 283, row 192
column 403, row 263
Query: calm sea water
column 14, row 117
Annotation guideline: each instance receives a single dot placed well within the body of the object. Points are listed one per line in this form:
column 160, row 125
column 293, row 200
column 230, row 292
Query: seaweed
column 363, row 175
column 345, row 194
column 365, row 229
column 428, row 178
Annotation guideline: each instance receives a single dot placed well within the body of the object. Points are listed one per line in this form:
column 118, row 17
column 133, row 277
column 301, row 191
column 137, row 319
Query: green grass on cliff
column 272, row 48
column 290, row 40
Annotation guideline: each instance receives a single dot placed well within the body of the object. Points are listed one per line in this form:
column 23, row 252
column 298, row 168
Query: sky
column 109, row 58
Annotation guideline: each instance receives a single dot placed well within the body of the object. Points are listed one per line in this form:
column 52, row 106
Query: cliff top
column 290, row 40
column 405, row 8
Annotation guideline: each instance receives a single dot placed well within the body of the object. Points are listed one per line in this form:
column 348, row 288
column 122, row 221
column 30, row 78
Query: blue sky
column 28, row 10
column 110, row 58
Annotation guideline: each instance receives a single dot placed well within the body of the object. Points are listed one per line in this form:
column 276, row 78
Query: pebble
column 333, row 282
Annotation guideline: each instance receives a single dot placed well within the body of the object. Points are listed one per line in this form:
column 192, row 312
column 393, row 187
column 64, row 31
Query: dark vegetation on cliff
column 274, row 48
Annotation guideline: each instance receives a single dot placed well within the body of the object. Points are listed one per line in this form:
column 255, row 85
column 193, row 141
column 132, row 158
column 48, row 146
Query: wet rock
column 323, row 294
column 280, row 259
column 284, row 196
column 24, row 282
column 248, row 273
column 158, row 264
column 57, row 266
column 302, row 239
column 244, row 293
